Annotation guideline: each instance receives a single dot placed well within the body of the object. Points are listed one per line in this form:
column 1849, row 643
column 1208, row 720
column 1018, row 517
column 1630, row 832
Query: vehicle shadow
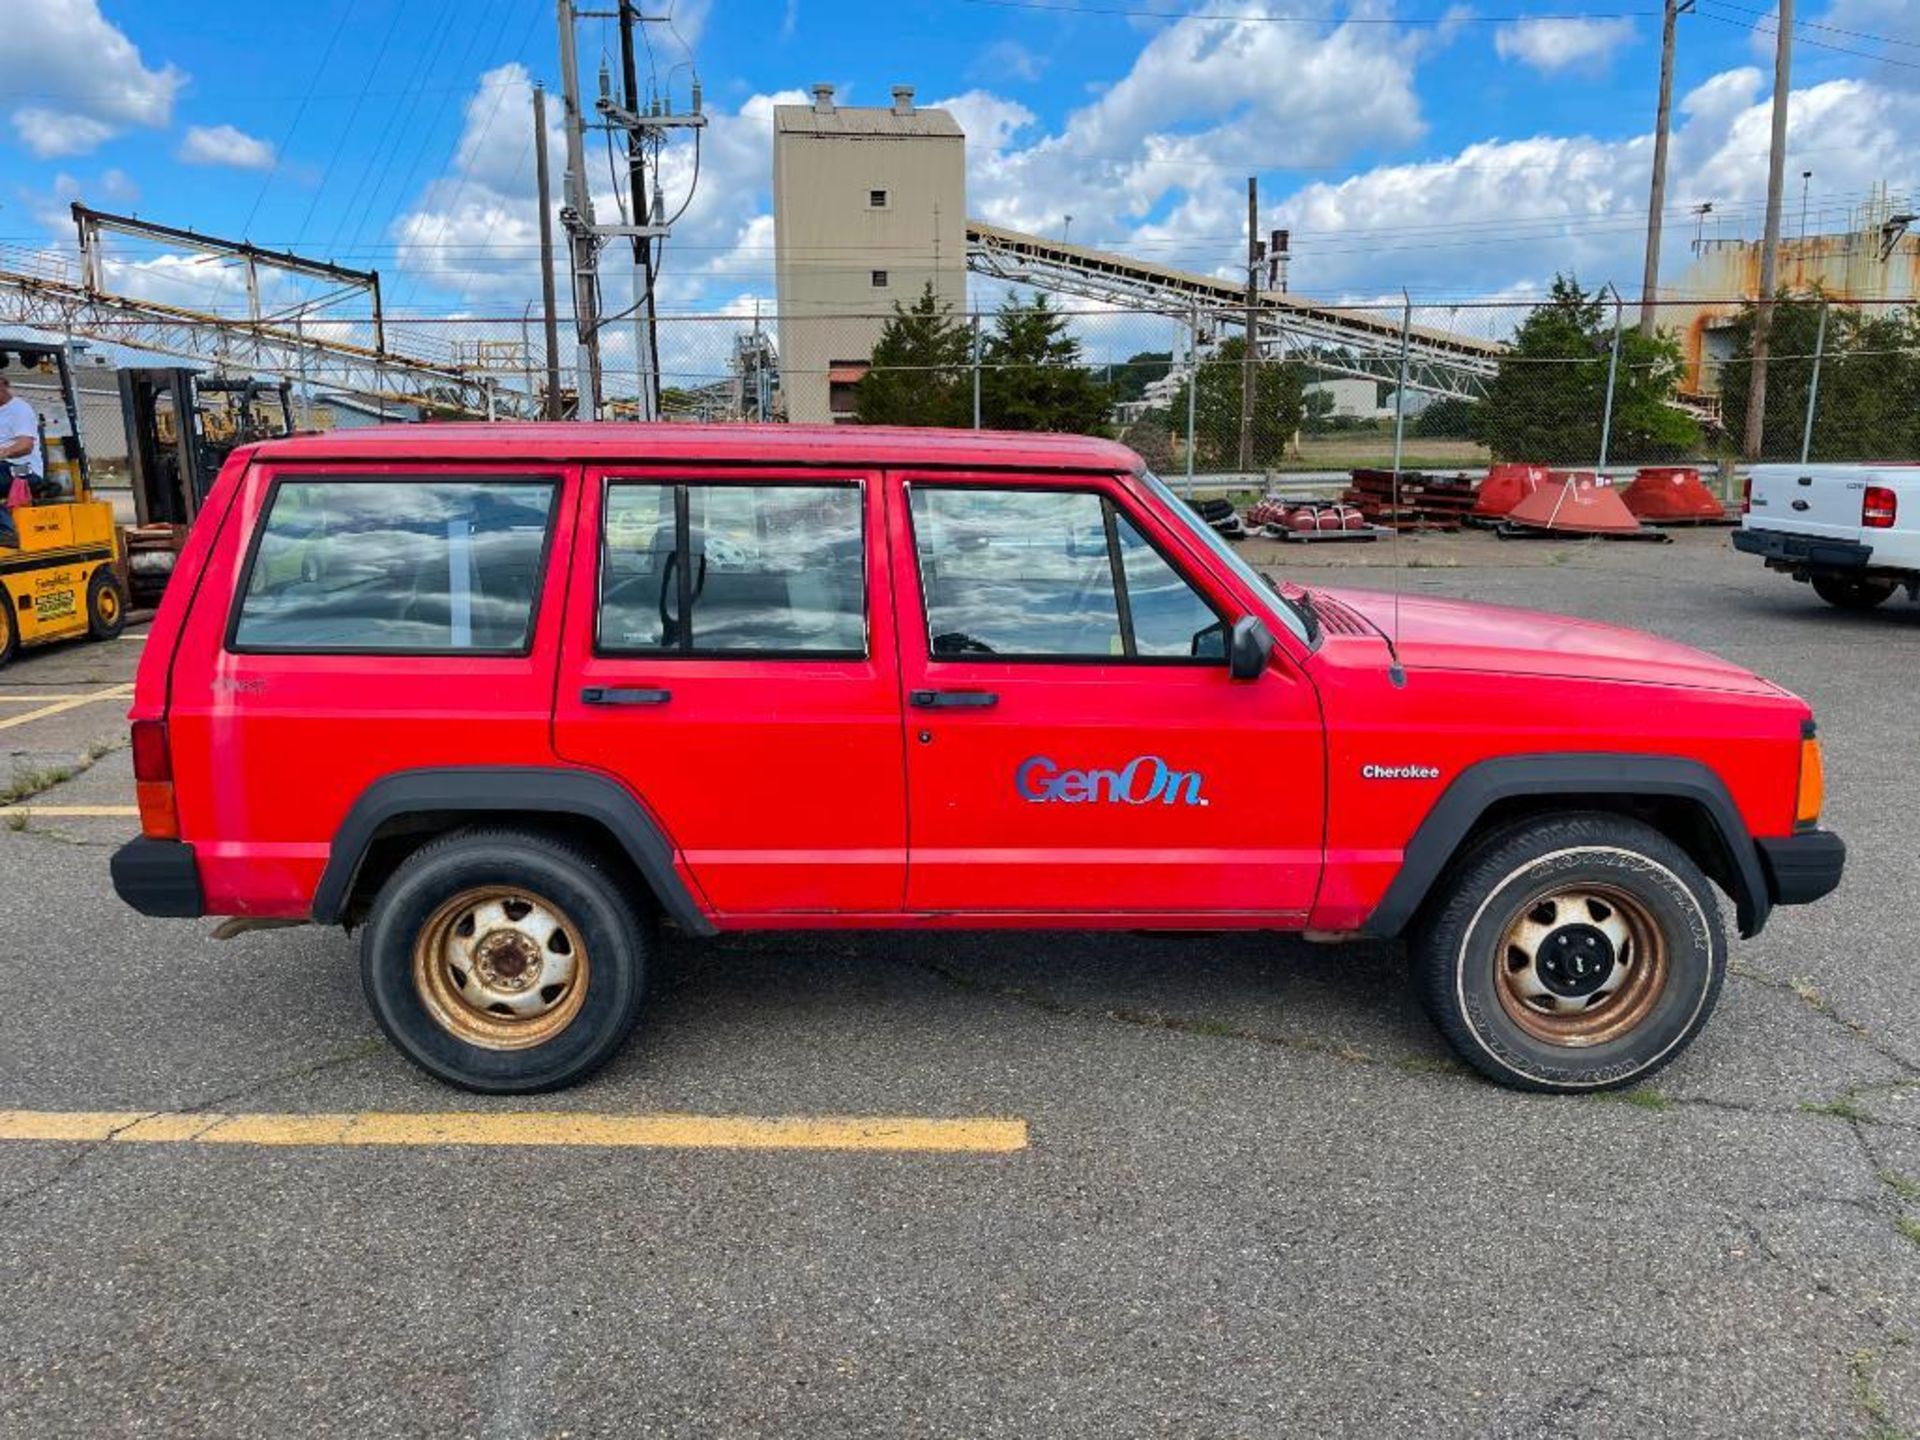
column 1351, row 1001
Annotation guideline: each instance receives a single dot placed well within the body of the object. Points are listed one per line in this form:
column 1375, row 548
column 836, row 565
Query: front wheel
column 106, row 605
column 1576, row 953
column 1849, row 592
column 504, row 961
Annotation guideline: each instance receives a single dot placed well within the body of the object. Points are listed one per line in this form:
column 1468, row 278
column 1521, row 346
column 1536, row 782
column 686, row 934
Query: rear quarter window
column 432, row 566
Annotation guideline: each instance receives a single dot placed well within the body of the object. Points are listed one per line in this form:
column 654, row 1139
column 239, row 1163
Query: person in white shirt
column 19, row 449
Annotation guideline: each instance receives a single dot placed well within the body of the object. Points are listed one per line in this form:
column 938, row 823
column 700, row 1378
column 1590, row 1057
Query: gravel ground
column 1258, row 1197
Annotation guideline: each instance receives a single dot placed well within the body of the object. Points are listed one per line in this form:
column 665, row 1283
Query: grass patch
column 1643, row 1097
column 1908, row 1227
column 1843, row 1108
column 1433, row 562
column 1866, row 1394
column 32, row 781
column 1904, row 1188
column 19, row 820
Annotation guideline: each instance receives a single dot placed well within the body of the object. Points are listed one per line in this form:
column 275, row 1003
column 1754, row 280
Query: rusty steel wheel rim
column 1581, row 964
column 501, row 968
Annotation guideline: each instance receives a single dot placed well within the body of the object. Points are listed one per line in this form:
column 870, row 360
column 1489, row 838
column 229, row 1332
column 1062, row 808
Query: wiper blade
column 1301, row 599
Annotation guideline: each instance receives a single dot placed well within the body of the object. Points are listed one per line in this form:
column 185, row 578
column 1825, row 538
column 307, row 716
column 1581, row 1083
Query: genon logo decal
column 1143, row 780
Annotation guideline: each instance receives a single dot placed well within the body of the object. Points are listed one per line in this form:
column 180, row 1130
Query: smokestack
column 823, row 100
column 903, row 100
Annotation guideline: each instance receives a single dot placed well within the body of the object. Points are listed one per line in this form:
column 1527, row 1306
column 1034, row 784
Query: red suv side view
column 507, row 698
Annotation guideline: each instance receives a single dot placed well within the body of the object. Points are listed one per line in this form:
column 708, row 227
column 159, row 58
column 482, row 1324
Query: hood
column 1460, row 635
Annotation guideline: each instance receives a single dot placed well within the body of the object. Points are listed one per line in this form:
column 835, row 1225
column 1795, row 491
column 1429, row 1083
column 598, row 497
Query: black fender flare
column 1598, row 775
column 533, row 790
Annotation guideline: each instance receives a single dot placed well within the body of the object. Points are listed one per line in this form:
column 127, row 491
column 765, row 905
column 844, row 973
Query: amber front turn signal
column 1813, row 783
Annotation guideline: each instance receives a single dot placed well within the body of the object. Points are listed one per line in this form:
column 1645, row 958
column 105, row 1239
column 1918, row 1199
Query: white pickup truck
column 1852, row 530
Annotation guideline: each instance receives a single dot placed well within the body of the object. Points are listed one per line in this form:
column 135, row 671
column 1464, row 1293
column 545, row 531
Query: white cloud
column 1200, row 107
column 1551, row 45
column 87, row 78
column 1007, row 60
column 225, row 145
column 1511, row 212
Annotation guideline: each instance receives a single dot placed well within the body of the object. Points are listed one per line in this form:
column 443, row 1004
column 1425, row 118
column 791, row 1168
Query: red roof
column 889, row 445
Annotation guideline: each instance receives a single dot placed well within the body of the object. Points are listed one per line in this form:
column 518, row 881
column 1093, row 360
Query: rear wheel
column 1578, row 953
column 9, row 627
column 106, row 605
column 1849, row 592
column 504, row 962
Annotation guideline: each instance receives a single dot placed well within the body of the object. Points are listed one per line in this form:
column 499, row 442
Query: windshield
column 1275, row 606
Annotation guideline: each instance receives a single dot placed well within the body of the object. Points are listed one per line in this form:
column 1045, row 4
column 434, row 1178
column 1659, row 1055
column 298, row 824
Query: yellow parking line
column 28, row 697
column 74, row 812
column 72, row 702
column 984, row 1135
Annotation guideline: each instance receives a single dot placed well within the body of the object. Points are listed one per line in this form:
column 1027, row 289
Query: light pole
column 1806, row 177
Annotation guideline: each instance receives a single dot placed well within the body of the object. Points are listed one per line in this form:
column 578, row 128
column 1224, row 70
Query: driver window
column 1039, row 574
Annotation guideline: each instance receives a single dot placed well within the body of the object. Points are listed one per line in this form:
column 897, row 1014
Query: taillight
column 1880, row 508
column 153, row 780
column 1746, row 496
column 1813, row 783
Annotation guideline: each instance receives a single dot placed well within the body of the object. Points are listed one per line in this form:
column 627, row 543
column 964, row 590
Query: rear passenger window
column 764, row 570
column 408, row 566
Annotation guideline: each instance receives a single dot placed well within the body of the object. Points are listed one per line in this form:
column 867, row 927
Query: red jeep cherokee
column 507, row 697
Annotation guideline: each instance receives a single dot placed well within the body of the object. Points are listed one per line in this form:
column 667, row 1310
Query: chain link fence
column 1569, row 380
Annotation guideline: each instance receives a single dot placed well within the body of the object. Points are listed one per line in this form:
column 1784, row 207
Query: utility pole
column 577, row 215
column 646, row 332
column 1247, row 386
column 1770, row 242
column 643, row 125
column 1657, row 202
column 550, row 310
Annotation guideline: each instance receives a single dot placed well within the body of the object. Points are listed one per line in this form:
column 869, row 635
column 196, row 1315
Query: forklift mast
column 181, row 426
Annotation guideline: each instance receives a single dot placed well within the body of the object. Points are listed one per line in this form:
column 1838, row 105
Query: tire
column 1571, row 954
column 1850, row 592
column 492, row 1027
column 9, row 627
column 106, row 605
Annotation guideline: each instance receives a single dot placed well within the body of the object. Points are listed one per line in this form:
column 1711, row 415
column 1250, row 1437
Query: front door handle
column 951, row 699
column 617, row 695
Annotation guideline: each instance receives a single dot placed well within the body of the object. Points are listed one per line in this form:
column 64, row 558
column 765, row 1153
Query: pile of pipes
column 1418, row 502
column 1279, row 519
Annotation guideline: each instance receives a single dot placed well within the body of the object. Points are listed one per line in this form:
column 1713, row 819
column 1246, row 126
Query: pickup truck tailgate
column 1822, row 501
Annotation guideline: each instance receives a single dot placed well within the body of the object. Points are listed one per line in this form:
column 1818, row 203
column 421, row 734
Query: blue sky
column 1461, row 150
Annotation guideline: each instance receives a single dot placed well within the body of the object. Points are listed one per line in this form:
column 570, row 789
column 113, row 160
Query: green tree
column 1151, row 439
column 1131, row 378
column 1868, row 405
column 1549, row 395
column 1448, row 419
column 1277, row 408
column 1032, row 378
column 919, row 372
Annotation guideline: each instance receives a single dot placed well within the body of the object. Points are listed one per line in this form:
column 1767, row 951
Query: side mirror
column 1249, row 649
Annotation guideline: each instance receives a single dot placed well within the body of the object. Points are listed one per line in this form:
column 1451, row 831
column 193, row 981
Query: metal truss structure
column 1338, row 339
column 300, row 342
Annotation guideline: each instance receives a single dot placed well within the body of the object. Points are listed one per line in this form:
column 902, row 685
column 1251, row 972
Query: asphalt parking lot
column 1237, row 1186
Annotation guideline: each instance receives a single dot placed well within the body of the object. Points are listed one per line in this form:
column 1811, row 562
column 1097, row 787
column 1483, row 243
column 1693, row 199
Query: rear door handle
column 616, row 695
column 951, row 699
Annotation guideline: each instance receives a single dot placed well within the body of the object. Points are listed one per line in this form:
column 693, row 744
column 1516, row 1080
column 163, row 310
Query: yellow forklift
column 65, row 575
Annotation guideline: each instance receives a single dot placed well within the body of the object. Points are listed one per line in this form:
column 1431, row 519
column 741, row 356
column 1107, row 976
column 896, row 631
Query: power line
column 1326, row 20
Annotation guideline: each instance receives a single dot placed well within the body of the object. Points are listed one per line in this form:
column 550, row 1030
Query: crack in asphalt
column 1814, row 1001
column 364, row 1050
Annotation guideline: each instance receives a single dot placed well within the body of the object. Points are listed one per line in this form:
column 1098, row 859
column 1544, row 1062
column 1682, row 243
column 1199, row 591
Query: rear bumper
column 1780, row 547
column 158, row 877
column 1802, row 868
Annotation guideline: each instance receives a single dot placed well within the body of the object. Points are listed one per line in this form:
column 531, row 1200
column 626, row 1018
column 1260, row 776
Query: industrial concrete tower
column 869, row 205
